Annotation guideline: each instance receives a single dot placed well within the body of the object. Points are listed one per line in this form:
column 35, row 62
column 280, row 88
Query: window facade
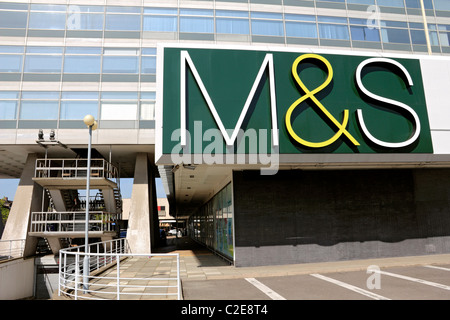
column 108, row 45
column 212, row 224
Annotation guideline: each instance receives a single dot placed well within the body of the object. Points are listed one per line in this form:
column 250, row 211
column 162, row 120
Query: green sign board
column 297, row 102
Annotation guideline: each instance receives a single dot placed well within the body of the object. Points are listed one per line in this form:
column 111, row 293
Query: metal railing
column 107, row 273
column 10, row 249
column 74, row 168
column 74, row 221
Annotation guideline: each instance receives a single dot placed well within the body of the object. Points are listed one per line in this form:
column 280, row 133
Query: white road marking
column 436, row 267
column 429, row 283
column 350, row 287
column 272, row 294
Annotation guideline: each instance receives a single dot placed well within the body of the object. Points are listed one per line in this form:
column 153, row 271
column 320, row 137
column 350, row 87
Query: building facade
column 369, row 177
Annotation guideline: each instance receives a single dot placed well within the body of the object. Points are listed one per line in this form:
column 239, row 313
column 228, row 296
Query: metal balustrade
column 74, row 221
column 74, row 168
column 10, row 249
column 107, row 270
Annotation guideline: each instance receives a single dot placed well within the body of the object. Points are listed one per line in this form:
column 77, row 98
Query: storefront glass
column 212, row 224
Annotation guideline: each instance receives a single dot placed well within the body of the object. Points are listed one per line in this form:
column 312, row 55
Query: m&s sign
column 312, row 103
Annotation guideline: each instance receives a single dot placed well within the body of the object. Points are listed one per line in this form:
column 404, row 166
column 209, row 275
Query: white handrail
column 74, row 168
column 115, row 251
column 10, row 249
column 68, row 222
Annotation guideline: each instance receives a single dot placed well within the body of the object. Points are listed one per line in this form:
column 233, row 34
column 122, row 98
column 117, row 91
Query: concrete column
column 1, row 227
column 139, row 222
column 28, row 198
column 58, row 200
column 55, row 244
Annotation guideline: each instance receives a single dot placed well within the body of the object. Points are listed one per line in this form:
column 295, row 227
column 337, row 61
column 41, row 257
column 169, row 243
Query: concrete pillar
column 58, row 201
column 139, row 233
column 55, row 244
column 110, row 201
column 1, row 227
column 28, row 198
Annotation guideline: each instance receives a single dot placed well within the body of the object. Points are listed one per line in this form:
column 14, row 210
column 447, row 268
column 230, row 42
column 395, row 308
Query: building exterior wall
column 60, row 61
column 314, row 216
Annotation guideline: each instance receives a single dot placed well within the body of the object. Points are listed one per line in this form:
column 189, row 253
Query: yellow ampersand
column 310, row 95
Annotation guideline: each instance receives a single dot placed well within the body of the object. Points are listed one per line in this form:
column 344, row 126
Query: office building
column 284, row 131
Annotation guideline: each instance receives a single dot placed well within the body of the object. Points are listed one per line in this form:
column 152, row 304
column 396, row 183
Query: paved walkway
column 198, row 263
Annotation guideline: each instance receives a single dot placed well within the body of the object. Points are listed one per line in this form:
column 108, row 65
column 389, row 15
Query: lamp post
column 90, row 122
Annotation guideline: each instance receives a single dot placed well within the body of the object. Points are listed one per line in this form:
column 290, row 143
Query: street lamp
column 90, row 122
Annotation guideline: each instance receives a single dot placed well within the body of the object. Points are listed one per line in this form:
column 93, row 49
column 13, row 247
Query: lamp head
column 89, row 120
column 41, row 134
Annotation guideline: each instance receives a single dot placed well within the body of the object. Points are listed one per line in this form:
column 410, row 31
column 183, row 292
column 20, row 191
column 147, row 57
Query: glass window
column 76, row 110
column 160, row 23
column 196, row 12
column 415, row 25
column 391, row 35
column 361, row 33
column 232, row 26
column 196, row 20
column 11, row 49
column 361, row 1
column 119, row 95
column 79, row 95
column 261, row 25
column 121, row 9
column 148, row 95
column 331, row 19
column 148, row 110
column 120, row 64
column 82, row 21
column 82, row 64
column 418, row 37
column 149, row 51
column 43, row 63
column 39, row 110
column 442, row 5
column 8, row 110
column 48, row 7
column 49, row 50
column 147, row 107
column 121, row 51
column 11, row 63
column 171, row 11
column 301, row 29
column 266, row 15
column 148, row 65
column 444, row 35
column 395, row 24
column 428, row 4
column 9, row 95
column 232, row 13
column 12, row 19
column 267, row 28
column 42, row 95
column 196, row 24
column 13, row 6
column 85, row 9
column 333, row 31
column 391, row 3
column 299, row 17
column 118, row 111
column 8, row 104
column 47, row 20
column 83, row 50
column 125, row 22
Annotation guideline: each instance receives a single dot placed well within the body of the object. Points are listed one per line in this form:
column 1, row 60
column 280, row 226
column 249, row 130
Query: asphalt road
column 395, row 283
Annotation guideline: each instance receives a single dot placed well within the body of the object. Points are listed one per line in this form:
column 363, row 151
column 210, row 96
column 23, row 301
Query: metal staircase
column 62, row 179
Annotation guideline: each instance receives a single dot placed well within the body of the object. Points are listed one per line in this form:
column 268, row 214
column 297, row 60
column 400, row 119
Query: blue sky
column 8, row 188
